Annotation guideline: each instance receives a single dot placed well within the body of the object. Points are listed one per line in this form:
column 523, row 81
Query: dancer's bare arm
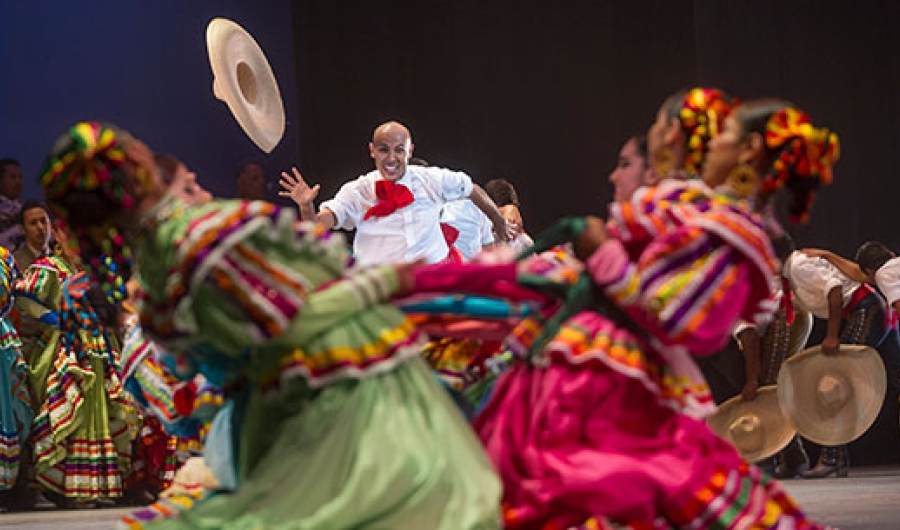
column 302, row 194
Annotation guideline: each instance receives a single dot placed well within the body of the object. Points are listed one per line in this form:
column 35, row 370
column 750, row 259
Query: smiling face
column 390, row 148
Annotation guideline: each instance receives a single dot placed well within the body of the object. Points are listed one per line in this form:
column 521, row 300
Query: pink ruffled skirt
column 587, row 440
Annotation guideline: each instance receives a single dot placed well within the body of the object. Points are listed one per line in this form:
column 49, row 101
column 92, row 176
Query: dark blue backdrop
column 142, row 66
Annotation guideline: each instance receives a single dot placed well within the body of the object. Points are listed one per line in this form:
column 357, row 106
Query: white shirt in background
column 887, row 278
column 475, row 228
column 410, row 233
column 813, row 278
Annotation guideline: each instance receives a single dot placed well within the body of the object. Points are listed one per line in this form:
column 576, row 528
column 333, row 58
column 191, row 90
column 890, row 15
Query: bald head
column 390, row 148
column 391, row 128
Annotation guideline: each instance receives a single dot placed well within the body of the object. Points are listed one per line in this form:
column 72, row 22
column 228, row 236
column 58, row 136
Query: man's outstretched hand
column 296, row 188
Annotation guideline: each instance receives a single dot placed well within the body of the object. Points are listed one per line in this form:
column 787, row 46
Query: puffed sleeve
column 38, row 292
column 692, row 281
column 243, row 275
column 238, row 322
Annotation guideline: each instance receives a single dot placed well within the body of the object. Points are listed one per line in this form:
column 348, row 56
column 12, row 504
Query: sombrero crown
column 245, row 82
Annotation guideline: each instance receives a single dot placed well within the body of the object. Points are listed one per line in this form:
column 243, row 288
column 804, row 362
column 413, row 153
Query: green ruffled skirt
column 388, row 451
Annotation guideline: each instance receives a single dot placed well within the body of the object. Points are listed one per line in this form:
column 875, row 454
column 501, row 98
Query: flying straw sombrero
column 245, row 82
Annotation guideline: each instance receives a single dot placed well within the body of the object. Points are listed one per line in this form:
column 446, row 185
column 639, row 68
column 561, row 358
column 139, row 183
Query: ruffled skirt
column 15, row 413
column 588, row 440
column 85, row 425
column 385, row 451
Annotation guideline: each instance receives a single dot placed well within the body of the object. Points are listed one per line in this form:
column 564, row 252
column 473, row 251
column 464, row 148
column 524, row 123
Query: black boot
column 792, row 460
column 832, row 461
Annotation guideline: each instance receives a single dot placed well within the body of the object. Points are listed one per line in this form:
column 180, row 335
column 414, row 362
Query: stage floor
column 869, row 499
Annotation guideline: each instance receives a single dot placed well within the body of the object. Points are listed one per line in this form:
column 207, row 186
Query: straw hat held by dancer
column 855, row 314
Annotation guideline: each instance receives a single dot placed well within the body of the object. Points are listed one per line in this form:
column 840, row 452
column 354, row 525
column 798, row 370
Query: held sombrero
column 245, row 82
column 832, row 400
column 757, row 428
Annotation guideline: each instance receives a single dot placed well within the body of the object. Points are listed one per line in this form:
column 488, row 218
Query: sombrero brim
column 775, row 430
column 800, row 331
column 856, row 366
column 244, row 80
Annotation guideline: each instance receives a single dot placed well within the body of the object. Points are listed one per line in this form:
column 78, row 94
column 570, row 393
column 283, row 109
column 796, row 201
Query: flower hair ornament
column 701, row 115
column 805, row 156
column 86, row 180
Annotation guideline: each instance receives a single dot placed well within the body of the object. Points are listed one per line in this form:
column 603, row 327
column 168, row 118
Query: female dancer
column 603, row 423
column 15, row 405
column 337, row 422
column 85, row 422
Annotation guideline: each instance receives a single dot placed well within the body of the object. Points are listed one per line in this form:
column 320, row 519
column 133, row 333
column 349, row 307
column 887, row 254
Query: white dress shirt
column 475, row 229
column 813, row 278
column 887, row 278
column 408, row 234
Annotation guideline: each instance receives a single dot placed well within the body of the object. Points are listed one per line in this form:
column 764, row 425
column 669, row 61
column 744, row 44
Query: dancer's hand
column 504, row 230
column 406, row 277
column 750, row 390
column 297, row 189
column 831, row 346
column 590, row 240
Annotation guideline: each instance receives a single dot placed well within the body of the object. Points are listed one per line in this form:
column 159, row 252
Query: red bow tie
column 391, row 197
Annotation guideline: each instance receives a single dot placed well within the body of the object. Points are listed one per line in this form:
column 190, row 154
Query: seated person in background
column 34, row 221
column 10, row 191
column 251, row 182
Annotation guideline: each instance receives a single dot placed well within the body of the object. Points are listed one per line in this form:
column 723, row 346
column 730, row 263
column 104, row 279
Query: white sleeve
column 888, row 280
column 451, row 185
column 347, row 206
column 487, row 229
column 816, row 274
